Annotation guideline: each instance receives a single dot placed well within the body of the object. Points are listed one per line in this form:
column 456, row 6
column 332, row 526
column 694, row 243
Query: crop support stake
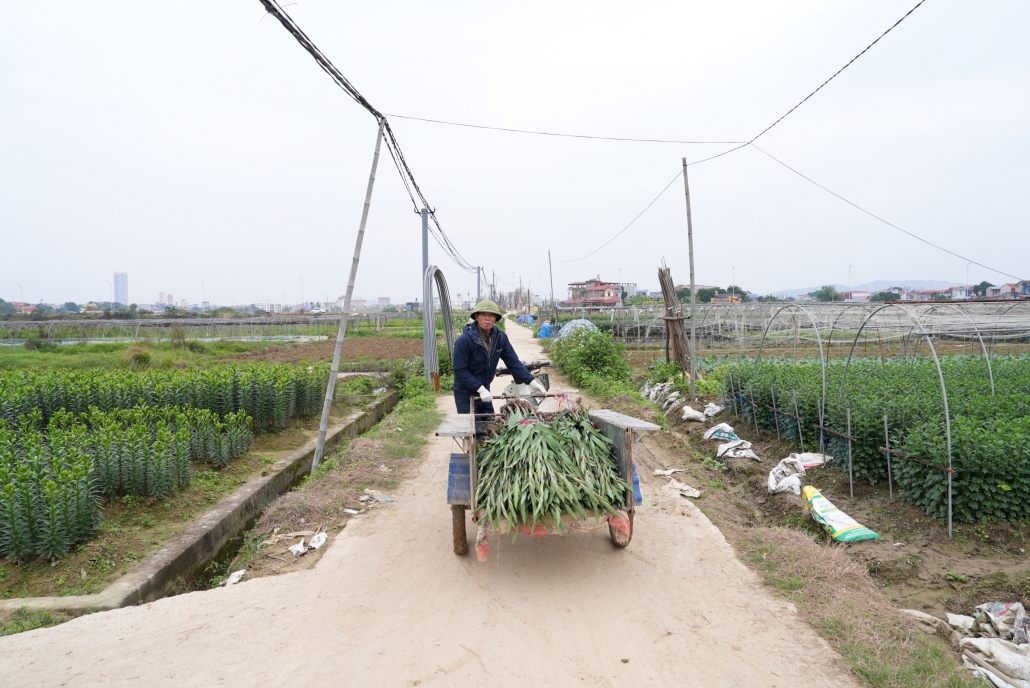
column 887, row 444
column 797, row 417
column 851, row 473
column 776, row 415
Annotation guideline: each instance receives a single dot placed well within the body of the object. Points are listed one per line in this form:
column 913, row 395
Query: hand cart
column 621, row 429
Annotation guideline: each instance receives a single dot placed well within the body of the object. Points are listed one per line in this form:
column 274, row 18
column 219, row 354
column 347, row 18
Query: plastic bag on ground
column 838, row 524
column 690, row 413
column 234, row 577
column 722, row 431
column 1007, row 621
column 811, row 460
column 711, row 410
column 786, row 477
column 1010, row 662
column 684, row 489
column 318, row 540
column 299, row 548
column 737, row 449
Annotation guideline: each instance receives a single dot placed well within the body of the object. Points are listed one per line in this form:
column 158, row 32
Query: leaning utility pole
column 425, row 240
column 479, row 271
column 330, row 390
column 693, row 296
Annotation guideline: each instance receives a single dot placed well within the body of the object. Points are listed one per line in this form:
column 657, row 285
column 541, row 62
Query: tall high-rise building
column 121, row 288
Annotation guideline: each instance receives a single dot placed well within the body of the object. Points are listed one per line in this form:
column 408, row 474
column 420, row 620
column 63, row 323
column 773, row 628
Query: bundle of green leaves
column 531, row 471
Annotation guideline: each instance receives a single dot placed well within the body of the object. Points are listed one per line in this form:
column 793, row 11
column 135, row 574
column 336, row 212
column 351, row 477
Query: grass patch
column 26, row 619
column 838, row 599
column 377, row 460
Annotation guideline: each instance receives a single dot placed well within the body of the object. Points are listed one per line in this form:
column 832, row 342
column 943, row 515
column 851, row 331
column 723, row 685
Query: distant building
column 384, row 301
column 726, row 298
column 1005, row 291
column 594, row 293
column 165, row 298
column 121, row 288
column 857, row 296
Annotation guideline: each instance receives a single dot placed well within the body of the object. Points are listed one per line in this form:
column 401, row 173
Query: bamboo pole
column 330, row 390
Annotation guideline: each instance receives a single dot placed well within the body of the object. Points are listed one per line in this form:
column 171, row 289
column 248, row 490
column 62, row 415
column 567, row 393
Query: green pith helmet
column 486, row 306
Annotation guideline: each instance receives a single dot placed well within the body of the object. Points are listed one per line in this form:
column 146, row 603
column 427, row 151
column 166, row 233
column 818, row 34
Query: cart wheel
column 461, row 543
column 619, row 538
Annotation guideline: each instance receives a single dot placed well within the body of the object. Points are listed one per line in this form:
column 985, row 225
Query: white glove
column 484, row 395
column 537, row 387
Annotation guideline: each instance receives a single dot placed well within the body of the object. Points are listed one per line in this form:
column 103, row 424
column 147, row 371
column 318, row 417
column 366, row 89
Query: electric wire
column 755, row 138
column 272, row 7
column 886, row 222
column 632, row 222
column 551, row 133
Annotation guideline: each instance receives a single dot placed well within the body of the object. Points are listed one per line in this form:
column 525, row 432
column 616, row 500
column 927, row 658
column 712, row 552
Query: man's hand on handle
column 537, row 387
column 485, row 396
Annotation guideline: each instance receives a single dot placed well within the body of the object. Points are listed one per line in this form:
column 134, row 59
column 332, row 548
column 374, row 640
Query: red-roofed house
column 594, row 293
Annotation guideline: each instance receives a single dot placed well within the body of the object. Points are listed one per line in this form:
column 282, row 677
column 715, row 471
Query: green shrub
column 593, row 361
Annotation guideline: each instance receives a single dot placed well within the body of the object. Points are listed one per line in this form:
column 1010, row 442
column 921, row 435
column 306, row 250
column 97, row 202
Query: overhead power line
column 886, row 222
column 394, row 148
column 551, row 133
column 755, row 138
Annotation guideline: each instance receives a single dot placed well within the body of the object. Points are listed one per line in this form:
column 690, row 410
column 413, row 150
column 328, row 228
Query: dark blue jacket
column 474, row 366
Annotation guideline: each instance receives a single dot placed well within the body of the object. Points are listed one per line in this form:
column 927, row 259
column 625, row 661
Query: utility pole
column 301, row 292
column 330, row 390
column 21, row 287
column 693, row 297
column 425, row 242
column 202, row 297
column 554, row 305
column 479, row 271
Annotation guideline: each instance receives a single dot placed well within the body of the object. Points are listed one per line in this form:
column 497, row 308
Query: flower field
column 271, row 395
column 69, row 438
column 990, row 434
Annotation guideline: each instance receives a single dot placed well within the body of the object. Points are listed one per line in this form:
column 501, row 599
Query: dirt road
column 390, row 605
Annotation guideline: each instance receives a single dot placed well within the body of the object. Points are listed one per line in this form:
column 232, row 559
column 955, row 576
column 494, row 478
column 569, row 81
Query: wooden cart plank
column 456, row 425
column 623, row 421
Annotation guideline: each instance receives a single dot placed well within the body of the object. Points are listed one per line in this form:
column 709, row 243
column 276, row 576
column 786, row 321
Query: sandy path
column 390, row 605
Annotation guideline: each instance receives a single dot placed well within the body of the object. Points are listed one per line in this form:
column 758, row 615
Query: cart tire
column 619, row 538
column 461, row 542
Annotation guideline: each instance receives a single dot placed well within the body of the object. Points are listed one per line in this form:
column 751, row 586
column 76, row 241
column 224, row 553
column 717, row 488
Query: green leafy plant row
column 53, row 474
column 990, row 434
column 271, row 395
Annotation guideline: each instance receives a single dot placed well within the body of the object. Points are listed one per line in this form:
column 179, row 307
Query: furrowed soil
column 135, row 527
column 354, row 349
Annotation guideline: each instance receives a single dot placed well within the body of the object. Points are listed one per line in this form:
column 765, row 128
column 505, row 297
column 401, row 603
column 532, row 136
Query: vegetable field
column 990, row 432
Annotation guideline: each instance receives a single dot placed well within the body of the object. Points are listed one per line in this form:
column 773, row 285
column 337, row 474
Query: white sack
column 786, row 476
column 711, row 410
column 690, row 413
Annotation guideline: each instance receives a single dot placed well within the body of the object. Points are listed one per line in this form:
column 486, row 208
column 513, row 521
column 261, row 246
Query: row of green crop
column 990, row 434
column 271, row 395
column 52, row 475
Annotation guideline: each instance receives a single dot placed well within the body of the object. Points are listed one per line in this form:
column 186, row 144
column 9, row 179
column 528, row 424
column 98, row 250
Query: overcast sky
column 198, row 140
